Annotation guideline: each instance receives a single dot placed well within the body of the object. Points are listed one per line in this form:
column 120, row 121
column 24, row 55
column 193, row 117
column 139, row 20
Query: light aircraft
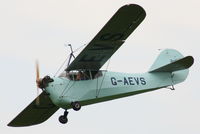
column 83, row 83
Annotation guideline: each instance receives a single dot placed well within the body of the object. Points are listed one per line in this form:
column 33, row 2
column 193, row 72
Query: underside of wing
column 109, row 39
column 35, row 114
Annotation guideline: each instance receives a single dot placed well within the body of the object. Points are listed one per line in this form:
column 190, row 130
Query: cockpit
column 81, row 75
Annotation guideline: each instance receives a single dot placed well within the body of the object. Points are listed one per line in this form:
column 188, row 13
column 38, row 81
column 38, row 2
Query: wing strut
column 98, row 89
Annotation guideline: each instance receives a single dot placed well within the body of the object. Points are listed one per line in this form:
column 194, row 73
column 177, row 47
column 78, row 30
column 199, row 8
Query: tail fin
column 173, row 62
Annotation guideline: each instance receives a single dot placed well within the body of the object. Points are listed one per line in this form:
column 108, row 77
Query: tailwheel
column 76, row 106
column 63, row 118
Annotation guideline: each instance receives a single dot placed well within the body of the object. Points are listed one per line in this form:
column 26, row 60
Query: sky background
column 38, row 29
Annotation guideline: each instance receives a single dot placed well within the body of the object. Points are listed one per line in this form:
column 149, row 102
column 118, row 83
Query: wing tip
column 13, row 125
column 132, row 6
column 20, row 124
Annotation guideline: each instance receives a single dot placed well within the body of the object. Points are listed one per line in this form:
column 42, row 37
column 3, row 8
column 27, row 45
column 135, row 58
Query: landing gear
column 63, row 118
column 76, row 106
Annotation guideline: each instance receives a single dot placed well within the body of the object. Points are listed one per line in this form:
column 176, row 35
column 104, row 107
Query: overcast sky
column 38, row 29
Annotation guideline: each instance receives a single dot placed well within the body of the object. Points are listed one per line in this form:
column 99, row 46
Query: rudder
column 173, row 62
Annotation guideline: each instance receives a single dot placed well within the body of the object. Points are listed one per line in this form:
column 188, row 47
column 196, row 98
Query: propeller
column 41, row 82
column 37, row 81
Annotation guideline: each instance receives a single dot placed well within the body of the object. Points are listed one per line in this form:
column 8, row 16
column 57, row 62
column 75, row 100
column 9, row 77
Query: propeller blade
column 37, row 81
column 37, row 73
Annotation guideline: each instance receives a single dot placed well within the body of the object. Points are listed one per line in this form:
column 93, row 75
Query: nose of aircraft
column 55, row 90
column 52, row 84
column 44, row 82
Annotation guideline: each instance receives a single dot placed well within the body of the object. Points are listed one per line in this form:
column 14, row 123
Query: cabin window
column 81, row 75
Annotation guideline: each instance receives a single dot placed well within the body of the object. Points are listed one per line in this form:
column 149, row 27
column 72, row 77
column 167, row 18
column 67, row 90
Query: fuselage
column 108, row 86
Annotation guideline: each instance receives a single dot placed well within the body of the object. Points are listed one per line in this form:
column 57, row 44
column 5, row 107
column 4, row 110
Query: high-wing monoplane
column 83, row 83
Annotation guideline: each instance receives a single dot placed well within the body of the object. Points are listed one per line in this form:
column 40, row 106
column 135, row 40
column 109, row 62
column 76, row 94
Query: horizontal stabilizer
column 35, row 114
column 183, row 63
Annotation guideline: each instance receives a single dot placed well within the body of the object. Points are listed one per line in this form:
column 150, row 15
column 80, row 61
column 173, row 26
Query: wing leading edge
column 35, row 114
column 109, row 39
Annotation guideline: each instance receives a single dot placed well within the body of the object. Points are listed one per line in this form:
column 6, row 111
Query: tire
column 62, row 119
column 76, row 106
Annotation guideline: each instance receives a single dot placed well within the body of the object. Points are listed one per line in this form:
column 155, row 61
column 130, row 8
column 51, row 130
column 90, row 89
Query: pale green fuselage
column 111, row 85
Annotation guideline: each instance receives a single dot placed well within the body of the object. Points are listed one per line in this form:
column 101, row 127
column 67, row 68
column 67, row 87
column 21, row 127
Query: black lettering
column 112, row 37
column 125, row 81
column 119, row 80
column 113, row 81
column 101, row 47
column 143, row 82
column 131, row 80
column 137, row 80
column 94, row 58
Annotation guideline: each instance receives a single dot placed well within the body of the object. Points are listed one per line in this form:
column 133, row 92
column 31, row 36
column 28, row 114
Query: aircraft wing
column 109, row 39
column 35, row 114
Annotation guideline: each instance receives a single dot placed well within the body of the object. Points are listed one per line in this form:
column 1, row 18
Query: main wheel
column 76, row 106
column 62, row 119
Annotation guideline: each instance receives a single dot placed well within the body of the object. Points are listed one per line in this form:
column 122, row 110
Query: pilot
column 80, row 76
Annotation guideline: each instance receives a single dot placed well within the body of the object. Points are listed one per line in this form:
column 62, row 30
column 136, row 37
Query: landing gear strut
column 63, row 118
